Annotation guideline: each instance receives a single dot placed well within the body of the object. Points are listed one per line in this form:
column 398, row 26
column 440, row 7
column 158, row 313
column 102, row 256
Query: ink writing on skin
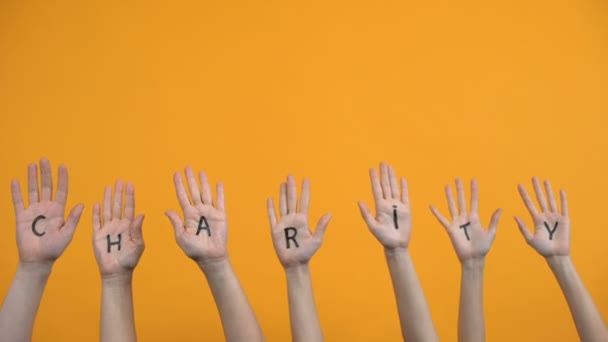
column 464, row 226
column 395, row 217
column 289, row 237
column 38, row 218
column 113, row 243
column 203, row 225
column 551, row 232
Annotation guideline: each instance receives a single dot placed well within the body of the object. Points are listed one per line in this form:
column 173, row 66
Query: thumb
column 136, row 228
column 176, row 221
column 322, row 226
column 524, row 230
column 494, row 222
column 365, row 213
column 73, row 219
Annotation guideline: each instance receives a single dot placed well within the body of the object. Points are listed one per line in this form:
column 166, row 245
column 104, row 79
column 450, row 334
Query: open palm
column 551, row 228
column 203, row 232
column 42, row 232
column 469, row 238
column 117, row 240
column 293, row 241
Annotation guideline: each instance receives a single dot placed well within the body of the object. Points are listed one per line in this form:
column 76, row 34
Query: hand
column 42, row 233
column 551, row 229
column 118, row 240
column 293, row 241
column 470, row 239
column 203, row 233
column 392, row 225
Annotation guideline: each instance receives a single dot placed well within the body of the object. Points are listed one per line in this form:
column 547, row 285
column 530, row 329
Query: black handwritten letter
column 551, row 232
column 111, row 243
column 395, row 217
column 291, row 237
column 38, row 218
column 203, row 225
column 464, row 226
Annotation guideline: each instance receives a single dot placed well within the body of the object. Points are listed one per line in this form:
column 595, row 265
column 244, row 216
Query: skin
column 389, row 195
column 211, row 254
column 556, row 251
column 116, row 267
column 37, row 254
column 472, row 253
column 304, row 320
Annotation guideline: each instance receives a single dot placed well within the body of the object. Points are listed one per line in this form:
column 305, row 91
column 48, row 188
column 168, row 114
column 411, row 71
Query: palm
column 203, row 233
column 117, row 261
column 42, row 233
column 469, row 238
column 551, row 228
column 294, row 242
column 203, row 246
column 392, row 224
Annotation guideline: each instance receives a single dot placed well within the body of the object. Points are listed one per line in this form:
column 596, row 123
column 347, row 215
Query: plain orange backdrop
column 253, row 90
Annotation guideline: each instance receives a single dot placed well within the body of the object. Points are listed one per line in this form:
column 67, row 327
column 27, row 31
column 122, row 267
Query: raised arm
column 392, row 227
column 42, row 236
column 551, row 239
column 202, row 235
column 118, row 244
column 295, row 245
column 472, row 243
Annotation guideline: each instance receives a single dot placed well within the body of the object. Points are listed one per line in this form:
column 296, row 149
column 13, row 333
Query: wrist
column 558, row 261
column 395, row 251
column 39, row 268
column 212, row 266
column 474, row 264
column 117, row 279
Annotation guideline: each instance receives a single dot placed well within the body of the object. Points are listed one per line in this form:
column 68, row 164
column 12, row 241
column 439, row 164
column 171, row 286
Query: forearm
column 117, row 318
column 414, row 314
column 471, row 325
column 587, row 318
column 303, row 316
column 22, row 301
column 238, row 319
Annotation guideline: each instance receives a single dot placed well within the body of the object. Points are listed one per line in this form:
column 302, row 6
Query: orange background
column 253, row 90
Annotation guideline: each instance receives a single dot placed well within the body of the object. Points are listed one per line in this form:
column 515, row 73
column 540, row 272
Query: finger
column 292, row 195
column 321, row 227
column 117, row 206
column 180, row 191
column 193, row 186
column 393, row 182
column 272, row 217
column 444, row 222
column 283, row 200
column 130, row 202
column 386, row 185
column 524, row 230
column 73, row 218
column 366, row 214
column 540, row 196
column 494, row 222
column 219, row 190
column 206, row 194
column 107, row 205
column 451, row 204
column 46, row 175
column 474, row 196
column 527, row 201
column 550, row 196
column 562, row 195
column 405, row 192
column 176, row 222
column 136, row 228
column 376, row 187
column 32, row 183
column 96, row 218
column 61, row 196
column 17, row 198
column 305, row 197
column 461, row 197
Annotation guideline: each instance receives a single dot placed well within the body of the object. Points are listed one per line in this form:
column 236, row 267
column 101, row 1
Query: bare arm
column 202, row 235
column 472, row 243
column 551, row 239
column 392, row 227
column 295, row 245
column 42, row 237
